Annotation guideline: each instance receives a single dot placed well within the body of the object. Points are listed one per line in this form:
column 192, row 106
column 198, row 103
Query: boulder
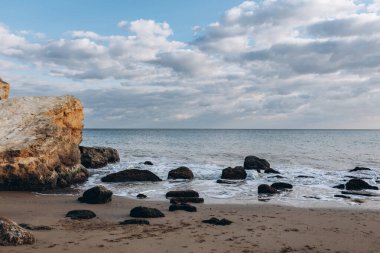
column 266, row 189
column 98, row 157
column 96, row 195
column 359, row 184
column 135, row 222
column 182, row 194
column 359, row 169
column 131, row 175
column 237, row 173
column 281, row 186
column 40, row 139
column 4, row 90
column 141, row 196
column 12, row 234
column 81, row 214
column 182, row 207
column 271, row 171
column 181, row 173
column 148, row 163
column 146, row 212
column 255, row 163
column 186, row 200
column 218, row 222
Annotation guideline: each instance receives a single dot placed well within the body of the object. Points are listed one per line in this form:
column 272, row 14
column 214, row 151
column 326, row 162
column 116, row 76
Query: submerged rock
column 281, row 186
column 146, row 212
column 96, row 195
column 303, row 176
column 182, row 194
column 12, row 234
column 97, row 157
column 342, row 196
column 266, row 189
column 148, row 163
column 228, row 181
column 255, row 163
column 141, row 196
column 81, row 214
column 40, row 139
column 4, row 90
column 131, row 175
column 135, row 222
column 359, row 169
column 237, row 173
column 181, row 173
column 359, row 184
column 182, row 207
column 218, row 222
column 271, row 171
column 339, row 186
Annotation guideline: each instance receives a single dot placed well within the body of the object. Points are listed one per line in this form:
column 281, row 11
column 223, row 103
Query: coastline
column 262, row 227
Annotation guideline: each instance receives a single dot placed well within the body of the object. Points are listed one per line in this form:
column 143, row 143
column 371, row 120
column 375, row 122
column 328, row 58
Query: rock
column 216, row 221
column 146, row 212
column 342, row 196
column 135, row 222
column 311, row 197
column 359, row 169
column 186, row 200
column 182, row 194
column 96, row 195
column 4, row 90
column 33, row 227
column 255, row 163
column 237, row 173
column 97, row 157
column 12, row 234
column 361, row 193
column 181, row 173
column 148, row 163
column 141, row 196
column 271, row 171
column 131, row 175
column 81, row 214
column 359, row 184
column 339, row 186
column 277, row 176
column 39, row 139
column 303, row 176
column 281, row 186
column 266, row 189
column 222, row 181
column 183, row 207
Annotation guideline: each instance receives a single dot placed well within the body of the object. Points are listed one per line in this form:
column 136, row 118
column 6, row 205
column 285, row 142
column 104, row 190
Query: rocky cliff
column 39, row 143
column 4, row 89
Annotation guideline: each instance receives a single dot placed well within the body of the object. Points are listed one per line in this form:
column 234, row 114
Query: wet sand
column 255, row 228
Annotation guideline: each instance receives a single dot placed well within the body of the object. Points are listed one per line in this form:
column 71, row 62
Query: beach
column 256, row 228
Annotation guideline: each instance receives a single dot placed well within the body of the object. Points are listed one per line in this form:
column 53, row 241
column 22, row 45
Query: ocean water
column 325, row 156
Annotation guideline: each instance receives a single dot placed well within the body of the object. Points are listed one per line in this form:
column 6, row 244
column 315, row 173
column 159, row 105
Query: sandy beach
column 255, row 228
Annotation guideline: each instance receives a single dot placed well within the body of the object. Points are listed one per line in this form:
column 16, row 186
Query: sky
column 199, row 64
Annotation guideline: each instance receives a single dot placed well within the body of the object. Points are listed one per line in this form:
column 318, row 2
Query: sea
column 322, row 158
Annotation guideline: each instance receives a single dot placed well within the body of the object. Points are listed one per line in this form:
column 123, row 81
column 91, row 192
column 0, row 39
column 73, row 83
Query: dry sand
column 256, row 228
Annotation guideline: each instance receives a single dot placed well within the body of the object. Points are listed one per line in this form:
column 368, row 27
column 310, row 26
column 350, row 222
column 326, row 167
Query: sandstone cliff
column 39, row 143
column 4, row 89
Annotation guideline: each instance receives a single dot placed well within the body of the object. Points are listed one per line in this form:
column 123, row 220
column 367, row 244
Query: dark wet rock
column 222, row 181
column 355, row 177
column 361, row 193
column 277, row 176
column 303, row 176
column 182, row 194
column 271, row 171
column 311, row 197
column 359, row 169
column 141, row 196
column 186, row 200
column 339, row 186
column 97, row 157
column 237, row 173
column 34, row 227
column 12, row 234
column 146, row 212
column 131, row 175
column 148, row 163
column 81, row 214
column 359, row 184
column 96, row 195
column 255, row 163
column 181, row 173
column 134, row 222
column 342, row 196
column 218, row 222
column 281, row 186
column 266, row 189
column 182, row 207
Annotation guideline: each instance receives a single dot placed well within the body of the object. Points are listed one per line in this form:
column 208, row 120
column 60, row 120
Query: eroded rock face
column 12, row 234
column 4, row 90
column 39, row 143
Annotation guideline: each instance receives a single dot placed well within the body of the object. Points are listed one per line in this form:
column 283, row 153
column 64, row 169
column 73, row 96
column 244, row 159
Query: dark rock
column 12, row 234
column 146, row 212
column 361, row 193
column 277, row 176
column 134, row 222
column 141, row 196
column 221, row 181
column 303, row 176
column 181, row 173
column 183, row 207
column 131, row 175
column 271, row 171
column 96, row 195
column 359, row 169
column 182, row 194
column 33, row 227
column 186, row 200
column 339, row 186
column 216, row 221
column 266, row 189
column 311, row 197
column 281, row 186
column 237, row 173
column 81, row 214
column 148, row 163
column 97, row 157
column 359, row 184
column 255, row 163
column 342, row 196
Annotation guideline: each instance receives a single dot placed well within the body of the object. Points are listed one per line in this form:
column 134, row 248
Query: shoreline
column 256, row 228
